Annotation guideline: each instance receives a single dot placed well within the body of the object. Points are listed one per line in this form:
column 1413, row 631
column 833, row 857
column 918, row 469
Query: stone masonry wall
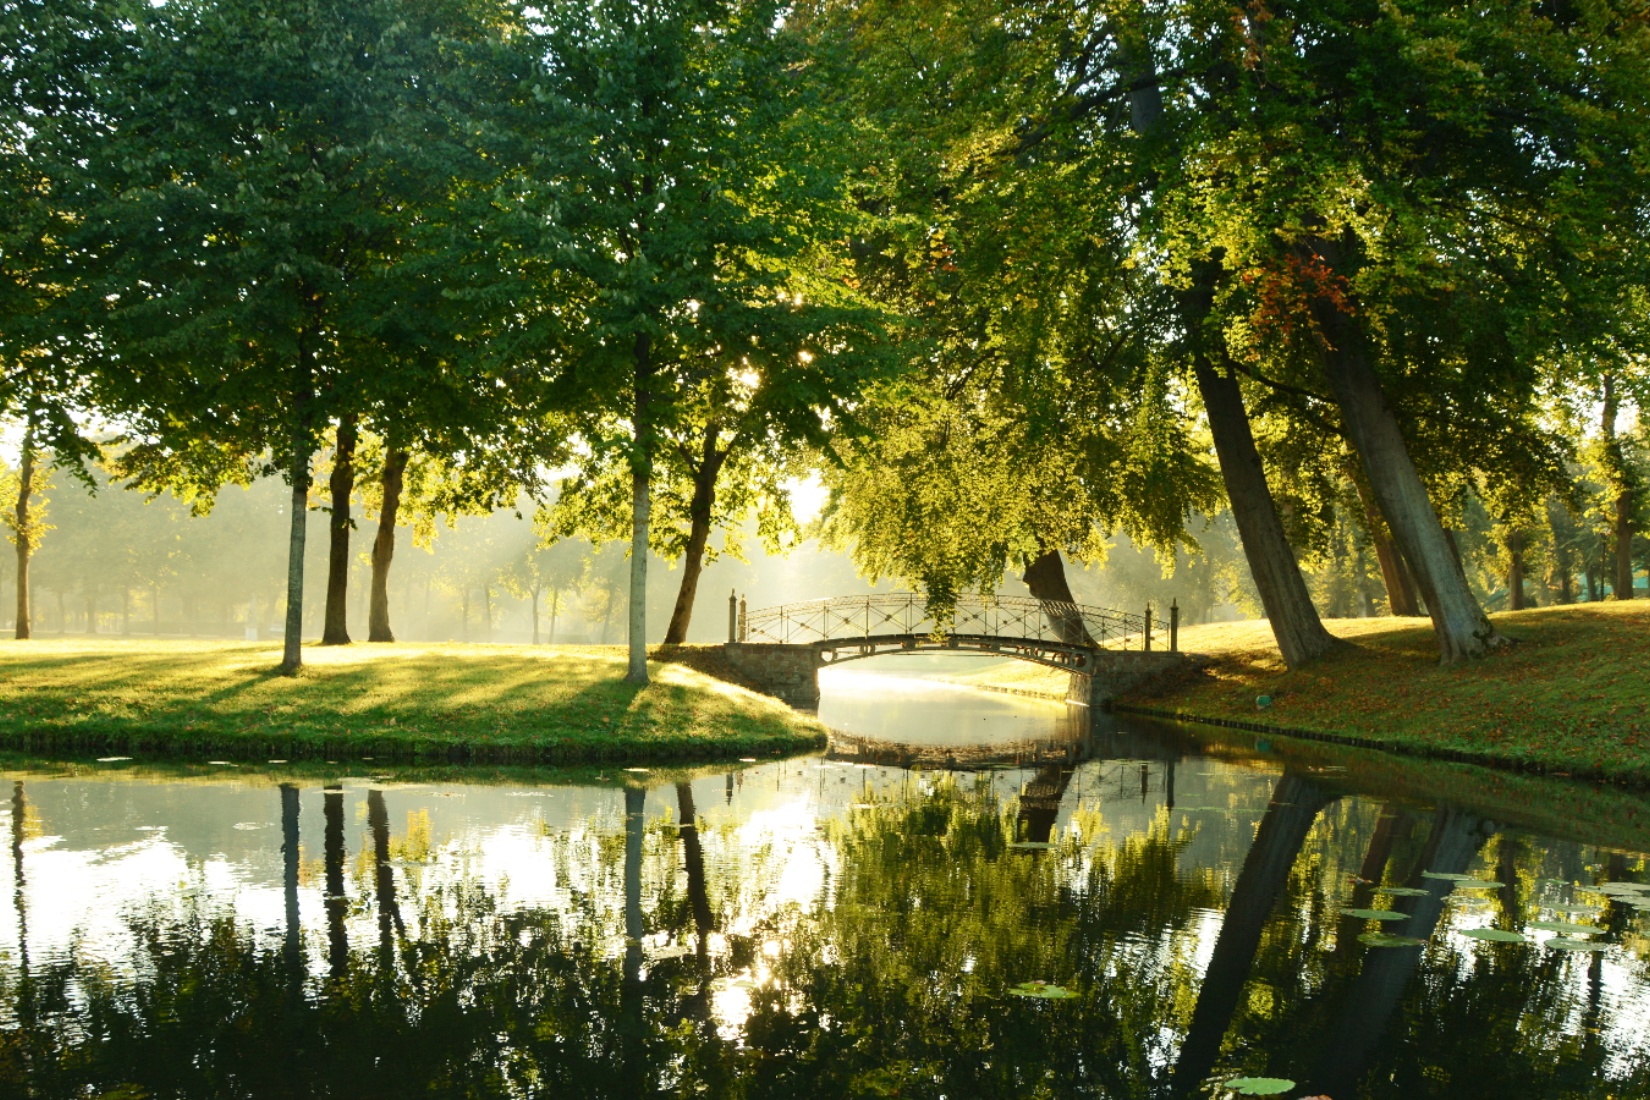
column 789, row 672
column 1118, row 672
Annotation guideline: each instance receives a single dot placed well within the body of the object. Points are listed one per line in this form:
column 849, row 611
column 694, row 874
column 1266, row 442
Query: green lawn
column 501, row 704
column 1572, row 696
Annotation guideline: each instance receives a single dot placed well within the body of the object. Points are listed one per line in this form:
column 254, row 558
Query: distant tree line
column 1021, row 278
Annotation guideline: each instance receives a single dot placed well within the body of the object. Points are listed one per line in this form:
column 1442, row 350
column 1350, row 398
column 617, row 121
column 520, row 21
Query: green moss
column 498, row 704
column 1572, row 696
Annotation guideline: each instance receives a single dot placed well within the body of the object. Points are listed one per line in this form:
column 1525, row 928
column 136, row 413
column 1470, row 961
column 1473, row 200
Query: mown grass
column 1572, row 696
column 499, row 704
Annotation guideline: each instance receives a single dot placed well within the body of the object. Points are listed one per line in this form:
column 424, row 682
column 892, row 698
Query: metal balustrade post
column 1174, row 626
column 1148, row 628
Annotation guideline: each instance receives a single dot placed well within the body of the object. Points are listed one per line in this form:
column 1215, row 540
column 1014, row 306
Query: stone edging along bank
column 1457, row 756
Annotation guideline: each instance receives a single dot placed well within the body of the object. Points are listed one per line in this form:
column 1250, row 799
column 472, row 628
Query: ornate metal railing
column 907, row 614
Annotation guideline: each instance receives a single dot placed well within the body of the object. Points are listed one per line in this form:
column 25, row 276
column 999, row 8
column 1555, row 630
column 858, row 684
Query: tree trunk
column 1462, row 628
column 533, row 604
column 1620, row 570
column 1400, row 586
column 555, row 601
column 24, row 533
column 292, row 655
column 487, row 608
column 641, row 504
column 389, row 912
column 335, row 628
column 1563, row 568
column 699, row 513
column 383, row 547
column 1295, row 805
column 1045, row 575
column 1515, row 571
column 1300, row 633
column 1295, row 623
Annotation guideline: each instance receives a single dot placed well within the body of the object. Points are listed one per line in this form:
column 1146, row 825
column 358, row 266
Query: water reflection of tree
column 893, row 982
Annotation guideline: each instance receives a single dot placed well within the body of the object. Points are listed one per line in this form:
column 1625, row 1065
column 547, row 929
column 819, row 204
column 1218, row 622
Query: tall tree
column 694, row 176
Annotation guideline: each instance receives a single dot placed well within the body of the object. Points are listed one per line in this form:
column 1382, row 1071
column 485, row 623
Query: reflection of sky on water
column 96, row 852
column 928, row 713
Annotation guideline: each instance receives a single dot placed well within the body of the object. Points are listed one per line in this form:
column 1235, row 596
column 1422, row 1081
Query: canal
column 969, row 895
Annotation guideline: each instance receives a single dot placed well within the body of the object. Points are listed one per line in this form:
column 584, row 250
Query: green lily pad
column 1374, row 914
column 1565, row 927
column 1478, row 884
column 1386, row 939
column 1259, row 1086
column 1402, row 891
column 1042, row 990
column 1558, row 943
column 1495, row 935
column 1444, row 876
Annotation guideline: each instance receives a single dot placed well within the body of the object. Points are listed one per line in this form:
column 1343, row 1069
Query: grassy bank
column 499, row 704
column 1573, row 696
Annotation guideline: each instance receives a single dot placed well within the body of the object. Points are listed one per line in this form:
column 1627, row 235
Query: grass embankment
column 1572, row 697
column 498, row 704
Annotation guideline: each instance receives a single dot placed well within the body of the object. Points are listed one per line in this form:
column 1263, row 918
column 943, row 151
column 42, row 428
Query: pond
column 1107, row 909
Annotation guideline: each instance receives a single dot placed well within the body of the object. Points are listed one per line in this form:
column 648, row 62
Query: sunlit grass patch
column 1571, row 695
column 503, row 703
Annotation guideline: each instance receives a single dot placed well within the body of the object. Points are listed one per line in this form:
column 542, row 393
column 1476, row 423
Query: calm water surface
column 856, row 925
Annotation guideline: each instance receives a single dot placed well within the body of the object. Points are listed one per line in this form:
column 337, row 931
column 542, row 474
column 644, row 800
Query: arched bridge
column 782, row 648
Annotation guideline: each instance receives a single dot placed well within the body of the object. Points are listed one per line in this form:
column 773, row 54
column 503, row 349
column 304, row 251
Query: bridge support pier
column 1117, row 672
column 790, row 672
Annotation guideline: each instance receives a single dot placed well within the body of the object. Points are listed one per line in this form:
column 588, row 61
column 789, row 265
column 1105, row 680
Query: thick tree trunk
column 699, row 513
column 1400, row 586
column 1300, row 633
column 1045, row 575
column 1462, row 628
column 335, row 626
column 383, row 547
column 641, row 506
column 1515, row 571
column 555, row 602
column 1295, row 805
column 23, row 532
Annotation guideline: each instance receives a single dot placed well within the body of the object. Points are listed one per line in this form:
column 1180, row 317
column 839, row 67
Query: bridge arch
column 784, row 647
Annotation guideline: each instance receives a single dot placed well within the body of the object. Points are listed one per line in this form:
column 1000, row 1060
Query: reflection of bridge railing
column 907, row 614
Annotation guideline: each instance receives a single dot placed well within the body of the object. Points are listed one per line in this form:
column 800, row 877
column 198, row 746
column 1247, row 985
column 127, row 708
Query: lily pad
column 1445, row 876
column 1386, row 939
column 1478, row 884
column 1495, row 935
column 1260, row 1086
column 1402, row 891
column 1558, row 943
column 1042, row 990
column 1565, row 927
column 1374, row 914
